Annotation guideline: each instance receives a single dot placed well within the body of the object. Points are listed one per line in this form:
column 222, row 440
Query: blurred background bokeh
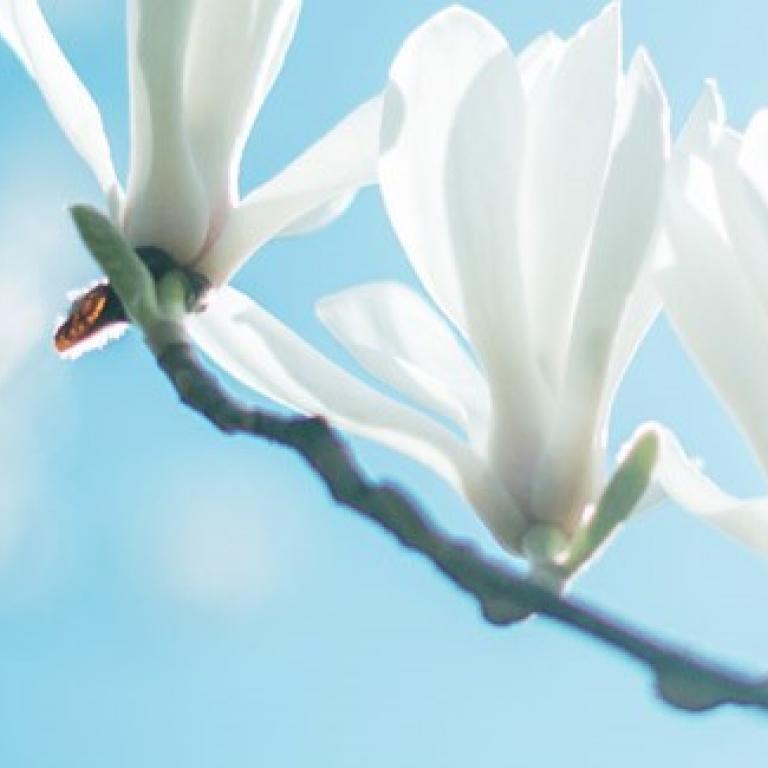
column 172, row 597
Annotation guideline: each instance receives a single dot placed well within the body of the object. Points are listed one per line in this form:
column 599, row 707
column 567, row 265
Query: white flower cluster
column 542, row 208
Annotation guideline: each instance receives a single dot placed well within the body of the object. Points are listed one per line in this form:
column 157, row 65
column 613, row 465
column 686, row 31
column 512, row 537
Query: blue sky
column 169, row 596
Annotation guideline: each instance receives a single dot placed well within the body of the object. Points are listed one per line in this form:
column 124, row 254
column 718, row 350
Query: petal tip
column 602, row 33
column 456, row 12
column 705, row 123
column 610, row 18
column 644, row 80
column 643, row 72
column 453, row 25
column 613, row 11
column 714, row 100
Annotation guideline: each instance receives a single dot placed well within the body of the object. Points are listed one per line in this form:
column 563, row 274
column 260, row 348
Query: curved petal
column 254, row 347
column 482, row 179
column 10, row 33
column 704, row 124
column 744, row 212
column 565, row 172
column 167, row 207
column 729, row 345
column 538, row 60
column 621, row 245
column 624, row 232
column 454, row 138
column 695, row 180
column 684, row 483
column 398, row 338
column 24, row 28
column 336, row 166
column 320, row 217
column 754, row 153
column 235, row 52
column 538, row 64
column 429, row 78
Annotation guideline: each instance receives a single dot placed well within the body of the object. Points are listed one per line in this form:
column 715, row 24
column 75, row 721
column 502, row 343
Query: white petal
column 24, row 28
column 712, row 306
column 538, row 61
column 429, row 78
column 625, row 227
column 397, row 337
column 264, row 354
column 538, row 64
column 744, row 212
column 695, row 177
column 339, row 164
column 754, row 153
column 453, row 144
column 167, row 206
column 621, row 245
column 691, row 163
column 320, row 217
column 236, row 51
column 682, row 481
column 10, row 33
column 566, row 165
column 704, row 123
column 482, row 175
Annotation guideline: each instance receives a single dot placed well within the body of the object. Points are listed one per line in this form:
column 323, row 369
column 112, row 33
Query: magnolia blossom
column 525, row 191
column 199, row 73
column 713, row 278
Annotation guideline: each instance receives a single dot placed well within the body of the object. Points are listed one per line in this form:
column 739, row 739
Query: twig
column 682, row 679
column 158, row 305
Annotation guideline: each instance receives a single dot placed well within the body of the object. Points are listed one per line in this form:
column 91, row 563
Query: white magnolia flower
column 713, row 280
column 525, row 191
column 199, row 73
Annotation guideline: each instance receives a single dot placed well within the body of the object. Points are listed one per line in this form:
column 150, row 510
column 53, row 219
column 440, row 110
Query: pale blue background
column 170, row 597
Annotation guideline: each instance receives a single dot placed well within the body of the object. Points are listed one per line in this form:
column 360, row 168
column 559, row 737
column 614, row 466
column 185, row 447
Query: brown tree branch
column 158, row 305
column 682, row 679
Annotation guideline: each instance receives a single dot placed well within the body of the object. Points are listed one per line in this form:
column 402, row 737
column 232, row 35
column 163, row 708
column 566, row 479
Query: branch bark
column 683, row 680
column 158, row 305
